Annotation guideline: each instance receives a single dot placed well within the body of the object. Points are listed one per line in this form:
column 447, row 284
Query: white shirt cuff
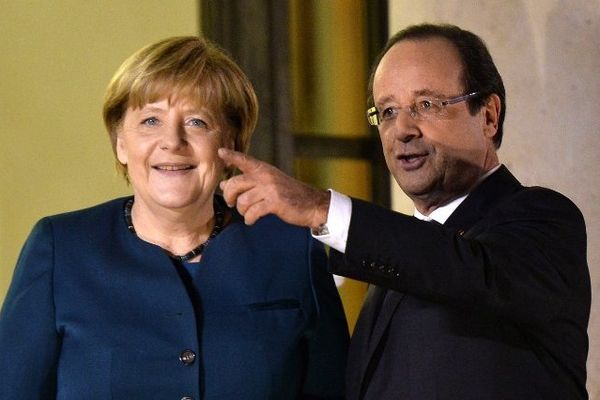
column 338, row 222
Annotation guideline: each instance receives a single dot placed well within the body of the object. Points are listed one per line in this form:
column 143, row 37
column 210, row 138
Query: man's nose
column 405, row 126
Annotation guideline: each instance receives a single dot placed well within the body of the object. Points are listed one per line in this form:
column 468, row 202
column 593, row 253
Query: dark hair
column 479, row 71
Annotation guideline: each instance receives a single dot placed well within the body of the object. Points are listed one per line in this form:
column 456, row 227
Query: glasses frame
column 375, row 120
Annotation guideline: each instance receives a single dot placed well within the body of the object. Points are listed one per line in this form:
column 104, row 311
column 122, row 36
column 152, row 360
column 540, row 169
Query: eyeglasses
column 422, row 108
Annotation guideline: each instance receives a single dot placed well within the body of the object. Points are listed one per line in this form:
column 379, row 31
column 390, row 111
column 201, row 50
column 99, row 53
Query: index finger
column 241, row 161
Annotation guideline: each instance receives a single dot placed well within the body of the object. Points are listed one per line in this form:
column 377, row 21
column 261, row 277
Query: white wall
column 548, row 53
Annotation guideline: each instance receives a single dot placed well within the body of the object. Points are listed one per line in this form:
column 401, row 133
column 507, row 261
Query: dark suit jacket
column 492, row 305
column 93, row 312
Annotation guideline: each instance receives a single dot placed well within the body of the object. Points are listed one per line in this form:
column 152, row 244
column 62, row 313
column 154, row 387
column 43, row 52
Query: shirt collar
column 441, row 214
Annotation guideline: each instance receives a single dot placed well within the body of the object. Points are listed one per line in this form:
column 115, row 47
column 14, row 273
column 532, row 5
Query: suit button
column 187, row 398
column 187, row 357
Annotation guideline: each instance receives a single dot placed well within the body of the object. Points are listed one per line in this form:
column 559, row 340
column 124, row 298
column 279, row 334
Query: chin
column 415, row 181
column 174, row 200
column 415, row 188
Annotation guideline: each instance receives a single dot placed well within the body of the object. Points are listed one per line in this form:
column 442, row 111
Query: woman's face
column 170, row 149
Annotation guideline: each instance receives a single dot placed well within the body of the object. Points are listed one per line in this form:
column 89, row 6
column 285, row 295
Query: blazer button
column 187, row 357
column 187, row 398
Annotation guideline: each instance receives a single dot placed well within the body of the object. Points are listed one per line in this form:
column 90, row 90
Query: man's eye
column 389, row 113
column 152, row 121
column 425, row 104
column 428, row 106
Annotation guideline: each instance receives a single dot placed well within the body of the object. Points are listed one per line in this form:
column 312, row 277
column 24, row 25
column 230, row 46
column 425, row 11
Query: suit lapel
column 365, row 325
column 368, row 339
column 390, row 302
column 381, row 304
column 482, row 200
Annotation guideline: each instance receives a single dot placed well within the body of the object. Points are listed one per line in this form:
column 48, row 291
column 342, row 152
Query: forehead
column 410, row 67
column 195, row 94
column 168, row 101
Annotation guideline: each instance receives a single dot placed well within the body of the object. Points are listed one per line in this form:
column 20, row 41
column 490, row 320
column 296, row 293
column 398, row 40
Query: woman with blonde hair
column 167, row 294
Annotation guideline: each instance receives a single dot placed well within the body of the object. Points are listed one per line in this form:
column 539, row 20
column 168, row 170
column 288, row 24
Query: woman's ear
column 121, row 149
column 229, row 141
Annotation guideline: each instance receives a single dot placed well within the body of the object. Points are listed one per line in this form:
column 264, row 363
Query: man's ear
column 492, row 110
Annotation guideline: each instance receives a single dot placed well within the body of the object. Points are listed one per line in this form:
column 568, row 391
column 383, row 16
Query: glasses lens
column 428, row 108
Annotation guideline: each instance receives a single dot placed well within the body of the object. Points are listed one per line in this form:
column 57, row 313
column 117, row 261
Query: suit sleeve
column 29, row 343
column 327, row 342
column 525, row 260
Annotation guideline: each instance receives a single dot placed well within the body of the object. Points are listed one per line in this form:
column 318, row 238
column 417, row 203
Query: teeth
column 173, row 167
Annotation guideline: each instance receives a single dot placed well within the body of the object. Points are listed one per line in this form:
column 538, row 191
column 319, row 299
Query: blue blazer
column 94, row 312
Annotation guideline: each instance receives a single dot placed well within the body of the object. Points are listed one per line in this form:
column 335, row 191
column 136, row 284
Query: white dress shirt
column 340, row 213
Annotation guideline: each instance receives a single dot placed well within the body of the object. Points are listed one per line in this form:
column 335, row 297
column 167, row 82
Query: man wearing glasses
column 492, row 300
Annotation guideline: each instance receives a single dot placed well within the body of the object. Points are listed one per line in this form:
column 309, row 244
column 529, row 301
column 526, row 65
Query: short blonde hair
column 187, row 67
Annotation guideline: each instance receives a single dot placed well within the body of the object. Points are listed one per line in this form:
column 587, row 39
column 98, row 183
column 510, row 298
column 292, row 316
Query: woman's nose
column 173, row 137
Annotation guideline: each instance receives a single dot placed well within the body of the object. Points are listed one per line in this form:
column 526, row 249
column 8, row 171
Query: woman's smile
column 173, row 167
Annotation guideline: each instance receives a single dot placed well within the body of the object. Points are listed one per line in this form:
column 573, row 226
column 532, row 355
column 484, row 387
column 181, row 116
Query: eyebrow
column 189, row 110
column 427, row 92
column 149, row 108
column 417, row 93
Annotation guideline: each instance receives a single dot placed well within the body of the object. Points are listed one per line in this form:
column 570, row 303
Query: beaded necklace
column 196, row 251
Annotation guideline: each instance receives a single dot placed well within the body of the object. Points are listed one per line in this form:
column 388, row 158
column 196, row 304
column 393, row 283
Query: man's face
column 435, row 159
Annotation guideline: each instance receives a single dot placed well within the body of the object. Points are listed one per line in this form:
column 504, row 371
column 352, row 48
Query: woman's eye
column 196, row 122
column 152, row 121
